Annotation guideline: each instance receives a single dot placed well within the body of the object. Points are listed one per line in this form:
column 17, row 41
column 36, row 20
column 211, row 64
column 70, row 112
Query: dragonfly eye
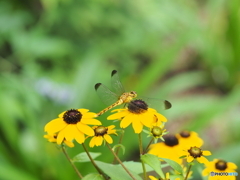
column 133, row 93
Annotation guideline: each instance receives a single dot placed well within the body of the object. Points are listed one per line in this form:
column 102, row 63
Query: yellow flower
column 53, row 139
column 169, row 149
column 189, row 139
column 72, row 124
column 138, row 114
column 195, row 153
column 219, row 166
column 101, row 134
column 157, row 132
column 152, row 178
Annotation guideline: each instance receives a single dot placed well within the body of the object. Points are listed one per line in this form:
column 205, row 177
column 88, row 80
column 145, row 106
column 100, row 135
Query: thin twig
column 189, row 168
column 120, row 162
column 73, row 165
column 93, row 162
column 141, row 153
column 148, row 146
column 118, row 148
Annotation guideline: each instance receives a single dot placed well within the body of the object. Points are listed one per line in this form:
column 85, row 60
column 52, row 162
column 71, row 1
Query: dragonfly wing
column 158, row 104
column 105, row 94
column 116, row 83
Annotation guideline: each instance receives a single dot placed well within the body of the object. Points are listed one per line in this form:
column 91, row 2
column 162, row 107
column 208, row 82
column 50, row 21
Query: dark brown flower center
column 221, row 165
column 185, row 134
column 195, row 152
column 171, row 140
column 100, row 131
column 156, row 131
column 137, row 106
column 72, row 116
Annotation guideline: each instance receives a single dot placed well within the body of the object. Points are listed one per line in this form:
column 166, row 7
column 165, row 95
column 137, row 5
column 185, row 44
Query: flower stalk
column 117, row 150
column 120, row 162
column 69, row 159
column 188, row 171
column 93, row 162
column 141, row 153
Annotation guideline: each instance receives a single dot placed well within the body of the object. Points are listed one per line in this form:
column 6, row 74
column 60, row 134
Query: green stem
column 93, row 162
column 144, row 170
column 120, row 162
column 189, row 168
column 140, row 144
column 148, row 146
column 141, row 153
column 117, row 151
column 69, row 159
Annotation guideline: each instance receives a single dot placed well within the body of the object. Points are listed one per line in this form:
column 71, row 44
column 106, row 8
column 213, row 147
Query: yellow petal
column 90, row 121
column 231, row 166
column 69, row 143
column 126, row 121
column 152, row 178
column 108, row 138
column 92, row 142
column 111, row 130
column 203, row 160
column 98, row 140
column 118, row 110
column 137, row 126
column 89, row 115
column 160, row 117
column 167, row 176
column 61, row 115
column 206, row 153
column 70, row 131
column 80, row 138
column 205, row 172
column 190, row 159
column 85, row 129
column 118, row 115
column 154, row 148
column 83, row 111
column 60, row 137
column 146, row 119
column 110, row 127
column 55, row 126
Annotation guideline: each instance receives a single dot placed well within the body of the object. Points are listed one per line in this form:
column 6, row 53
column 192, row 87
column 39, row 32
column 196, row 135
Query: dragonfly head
column 133, row 94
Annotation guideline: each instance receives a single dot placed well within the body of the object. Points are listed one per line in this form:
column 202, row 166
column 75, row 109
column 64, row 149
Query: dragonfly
column 119, row 96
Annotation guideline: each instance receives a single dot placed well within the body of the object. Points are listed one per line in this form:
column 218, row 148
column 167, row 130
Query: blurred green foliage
column 53, row 52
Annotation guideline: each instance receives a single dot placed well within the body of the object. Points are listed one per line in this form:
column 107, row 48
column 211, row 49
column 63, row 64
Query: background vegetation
column 53, row 52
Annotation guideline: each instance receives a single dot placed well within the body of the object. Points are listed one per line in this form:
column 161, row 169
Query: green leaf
column 93, row 176
column 116, row 172
column 173, row 164
column 173, row 177
column 119, row 146
column 83, row 157
column 136, row 167
column 154, row 162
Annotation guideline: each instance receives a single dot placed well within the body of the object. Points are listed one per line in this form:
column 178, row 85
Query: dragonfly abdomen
column 119, row 102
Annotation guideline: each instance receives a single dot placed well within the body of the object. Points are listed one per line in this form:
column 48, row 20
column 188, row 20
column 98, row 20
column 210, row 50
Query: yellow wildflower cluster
column 77, row 125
